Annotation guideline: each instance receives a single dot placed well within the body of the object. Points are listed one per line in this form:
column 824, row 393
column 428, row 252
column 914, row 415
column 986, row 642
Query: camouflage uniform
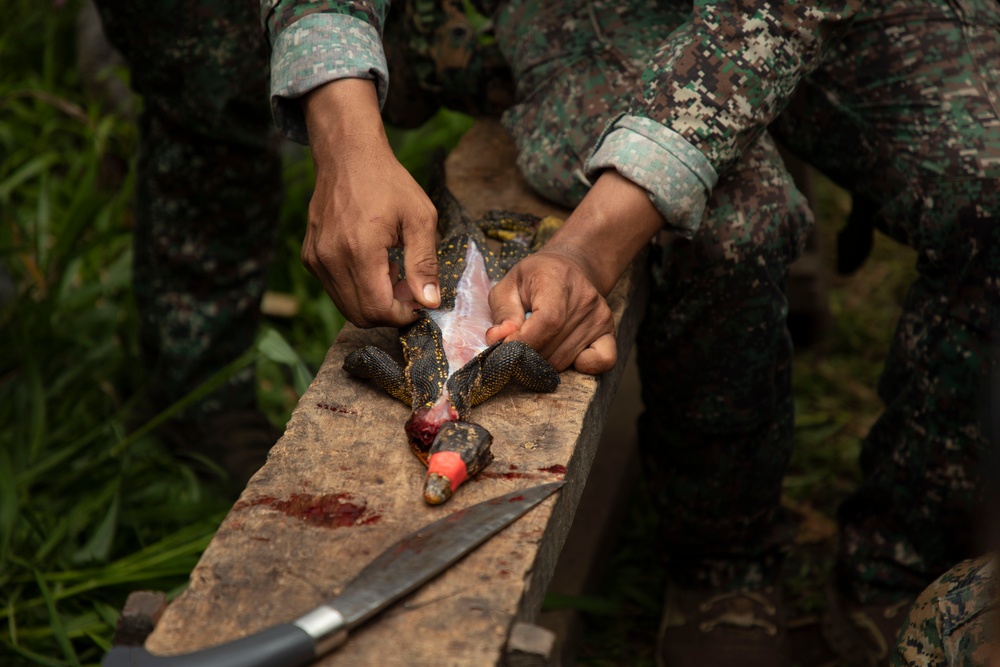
column 897, row 100
column 898, row 104
column 954, row 623
column 208, row 192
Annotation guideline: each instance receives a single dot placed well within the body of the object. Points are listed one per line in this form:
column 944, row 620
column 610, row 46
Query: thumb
column 506, row 307
column 420, row 260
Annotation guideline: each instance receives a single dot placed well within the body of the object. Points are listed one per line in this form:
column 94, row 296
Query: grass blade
column 58, row 628
column 274, row 347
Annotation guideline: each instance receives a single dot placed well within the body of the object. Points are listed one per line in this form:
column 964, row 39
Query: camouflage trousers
column 903, row 111
column 208, row 190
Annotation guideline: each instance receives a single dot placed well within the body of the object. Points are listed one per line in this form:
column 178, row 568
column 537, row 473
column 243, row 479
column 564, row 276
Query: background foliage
column 92, row 507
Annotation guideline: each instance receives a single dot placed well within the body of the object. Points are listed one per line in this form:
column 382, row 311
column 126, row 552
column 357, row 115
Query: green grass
column 90, row 511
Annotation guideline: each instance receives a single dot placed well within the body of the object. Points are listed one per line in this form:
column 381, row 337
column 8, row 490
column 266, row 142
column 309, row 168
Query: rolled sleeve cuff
column 677, row 176
column 318, row 49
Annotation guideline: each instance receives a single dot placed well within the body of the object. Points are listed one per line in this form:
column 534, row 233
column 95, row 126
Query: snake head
column 460, row 450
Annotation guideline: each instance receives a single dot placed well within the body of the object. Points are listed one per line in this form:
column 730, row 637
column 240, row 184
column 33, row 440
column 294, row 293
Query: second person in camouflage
column 897, row 100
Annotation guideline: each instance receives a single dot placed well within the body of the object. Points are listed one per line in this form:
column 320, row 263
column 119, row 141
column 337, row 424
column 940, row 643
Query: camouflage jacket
column 715, row 84
column 954, row 622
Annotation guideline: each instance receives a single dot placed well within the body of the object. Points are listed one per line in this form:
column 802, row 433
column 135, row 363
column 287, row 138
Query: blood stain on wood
column 556, row 469
column 332, row 510
column 489, row 474
column 333, row 407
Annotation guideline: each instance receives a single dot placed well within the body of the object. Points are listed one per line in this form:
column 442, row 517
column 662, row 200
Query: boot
column 708, row 628
column 862, row 635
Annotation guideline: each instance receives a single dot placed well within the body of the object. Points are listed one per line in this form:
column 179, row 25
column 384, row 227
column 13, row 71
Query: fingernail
column 431, row 294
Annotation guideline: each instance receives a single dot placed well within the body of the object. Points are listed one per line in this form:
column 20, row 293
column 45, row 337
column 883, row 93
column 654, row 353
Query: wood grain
column 342, row 485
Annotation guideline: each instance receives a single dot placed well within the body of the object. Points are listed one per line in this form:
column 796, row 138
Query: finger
column 400, row 290
column 344, row 301
column 506, row 308
column 368, row 278
column 600, row 357
column 594, row 320
column 562, row 354
column 547, row 325
column 420, row 258
column 379, row 312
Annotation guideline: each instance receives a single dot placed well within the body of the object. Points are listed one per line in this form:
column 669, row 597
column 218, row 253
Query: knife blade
column 401, row 569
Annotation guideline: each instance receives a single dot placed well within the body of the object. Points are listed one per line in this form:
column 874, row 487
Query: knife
column 400, row 570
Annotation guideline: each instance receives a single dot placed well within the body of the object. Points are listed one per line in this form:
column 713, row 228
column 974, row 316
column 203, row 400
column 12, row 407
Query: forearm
column 608, row 229
column 343, row 117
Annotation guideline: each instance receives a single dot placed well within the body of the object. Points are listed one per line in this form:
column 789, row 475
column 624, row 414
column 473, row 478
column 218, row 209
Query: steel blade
column 422, row 555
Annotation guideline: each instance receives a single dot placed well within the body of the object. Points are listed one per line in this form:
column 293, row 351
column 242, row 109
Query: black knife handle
column 281, row 646
column 290, row 645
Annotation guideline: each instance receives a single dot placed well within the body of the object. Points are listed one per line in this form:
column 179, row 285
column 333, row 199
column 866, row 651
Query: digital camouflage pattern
column 721, row 408
column 955, row 622
column 313, row 43
column 917, row 85
column 902, row 109
column 208, row 191
column 434, row 48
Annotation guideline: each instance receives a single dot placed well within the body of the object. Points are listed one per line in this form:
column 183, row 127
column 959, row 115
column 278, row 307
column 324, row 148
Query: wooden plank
column 342, row 485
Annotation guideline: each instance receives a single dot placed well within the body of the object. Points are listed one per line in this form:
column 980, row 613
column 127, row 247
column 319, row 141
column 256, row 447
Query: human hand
column 564, row 284
column 570, row 322
column 364, row 203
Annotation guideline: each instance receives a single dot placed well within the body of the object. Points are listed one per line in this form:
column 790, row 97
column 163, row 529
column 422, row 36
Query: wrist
column 343, row 116
column 598, row 270
column 608, row 229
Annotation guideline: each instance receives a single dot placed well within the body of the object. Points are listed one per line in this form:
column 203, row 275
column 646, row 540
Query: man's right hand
column 364, row 203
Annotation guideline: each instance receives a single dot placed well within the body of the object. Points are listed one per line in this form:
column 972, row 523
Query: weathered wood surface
column 342, row 485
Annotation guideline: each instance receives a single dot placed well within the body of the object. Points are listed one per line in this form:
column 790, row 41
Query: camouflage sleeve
column 710, row 91
column 920, row 643
column 314, row 42
column 953, row 622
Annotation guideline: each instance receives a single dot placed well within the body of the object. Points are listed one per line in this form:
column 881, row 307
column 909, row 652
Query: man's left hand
column 564, row 284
